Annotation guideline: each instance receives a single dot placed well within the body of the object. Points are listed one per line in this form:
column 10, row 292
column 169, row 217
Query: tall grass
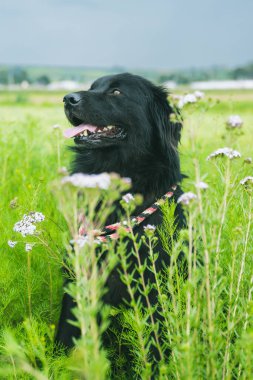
column 207, row 313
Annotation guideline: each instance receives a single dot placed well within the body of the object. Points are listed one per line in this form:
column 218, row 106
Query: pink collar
column 109, row 232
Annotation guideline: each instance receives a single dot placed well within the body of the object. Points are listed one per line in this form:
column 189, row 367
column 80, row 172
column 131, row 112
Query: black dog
column 123, row 124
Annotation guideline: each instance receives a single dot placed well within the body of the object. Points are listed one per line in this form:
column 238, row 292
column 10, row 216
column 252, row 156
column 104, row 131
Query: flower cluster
column 201, row 185
column 101, row 181
column 63, row 170
column 149, row 227
column 34, row 217
column 186, row 99
column 228, row 152
column 128, row 197
column 189, row 98
column 81, row 241
column 26, row 226
column 247, row 181
column 186, row 198
column 199, row 94
column 29, row 247
column 234, row 121
column 12, row 243
column 127, row 180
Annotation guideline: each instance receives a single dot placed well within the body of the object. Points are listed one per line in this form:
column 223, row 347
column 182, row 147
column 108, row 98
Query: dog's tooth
column 85, row 133
column 110, row 127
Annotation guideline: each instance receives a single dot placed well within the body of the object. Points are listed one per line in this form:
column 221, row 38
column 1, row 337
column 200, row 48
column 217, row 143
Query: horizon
column 117, row 67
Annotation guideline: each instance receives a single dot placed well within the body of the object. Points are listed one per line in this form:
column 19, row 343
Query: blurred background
column 66, row 44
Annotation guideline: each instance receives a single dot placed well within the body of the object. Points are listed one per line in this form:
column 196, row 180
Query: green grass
column 208, row 340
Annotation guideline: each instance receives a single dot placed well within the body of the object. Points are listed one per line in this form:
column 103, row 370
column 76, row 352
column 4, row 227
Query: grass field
column 211, row 313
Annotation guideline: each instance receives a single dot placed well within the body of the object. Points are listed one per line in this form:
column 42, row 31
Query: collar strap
column 109, row 232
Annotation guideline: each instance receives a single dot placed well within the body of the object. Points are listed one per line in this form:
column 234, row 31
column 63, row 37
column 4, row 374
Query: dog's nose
column 72, row 99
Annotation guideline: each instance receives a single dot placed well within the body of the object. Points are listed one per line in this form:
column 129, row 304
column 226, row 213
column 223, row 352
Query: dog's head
column 123, row 111
column 123, row 124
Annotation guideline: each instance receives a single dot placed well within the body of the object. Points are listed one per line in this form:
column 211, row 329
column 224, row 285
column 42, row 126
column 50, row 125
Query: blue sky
column 163, row 34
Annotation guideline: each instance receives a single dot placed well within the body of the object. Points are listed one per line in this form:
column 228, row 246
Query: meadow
column 209, row 315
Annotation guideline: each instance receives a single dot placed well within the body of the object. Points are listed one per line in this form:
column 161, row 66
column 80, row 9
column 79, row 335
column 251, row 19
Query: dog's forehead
column 126, row 81
column 102, row 83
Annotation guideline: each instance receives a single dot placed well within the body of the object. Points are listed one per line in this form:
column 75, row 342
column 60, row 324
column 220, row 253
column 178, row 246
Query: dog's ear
column 166, row 119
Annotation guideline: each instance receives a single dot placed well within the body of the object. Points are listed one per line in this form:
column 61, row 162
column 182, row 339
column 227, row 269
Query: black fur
column 148, row 154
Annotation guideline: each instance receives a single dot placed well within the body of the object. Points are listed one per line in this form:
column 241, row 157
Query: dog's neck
column 151, row 175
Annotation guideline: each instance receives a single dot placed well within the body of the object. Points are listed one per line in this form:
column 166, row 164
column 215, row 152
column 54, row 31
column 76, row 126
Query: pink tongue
column 71, row 132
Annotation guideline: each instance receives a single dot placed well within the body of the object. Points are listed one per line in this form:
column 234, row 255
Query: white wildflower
column 101, row 181
column 127, row 180
column 12, row 243
column 81, row 241
column 199, row 94
column 181, row 102
column 29, row 247
column 234, row 121
column 128, row 198
column 186, row 198
column 149, row 227
column 188, row 98
column 247, row 181
column 38, row 217
column 228, row 152
column 56, row 126
column 26, row 225
column 176, row 96
column 201, row 185
column 25, row 228
column 34, row 217
column 63, row 170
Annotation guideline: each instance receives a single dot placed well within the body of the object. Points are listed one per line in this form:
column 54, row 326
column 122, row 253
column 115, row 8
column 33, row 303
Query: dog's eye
column 116, row 92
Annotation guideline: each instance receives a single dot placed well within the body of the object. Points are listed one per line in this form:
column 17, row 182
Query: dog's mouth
column 89, row 134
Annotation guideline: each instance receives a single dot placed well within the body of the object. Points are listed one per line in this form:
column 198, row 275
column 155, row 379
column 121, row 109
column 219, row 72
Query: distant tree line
column 17, row 75
column 215, row 73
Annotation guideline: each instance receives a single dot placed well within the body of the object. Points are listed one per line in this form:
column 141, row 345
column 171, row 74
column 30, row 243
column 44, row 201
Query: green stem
column 207, row 270
column 226, row 356
column 50, row 290
column 145, row 289
column 223, row 214
column 29, row 283
column 163, row 304
column 14, row 367
column 140, row 333
column 243, row 257
column 188, row 296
